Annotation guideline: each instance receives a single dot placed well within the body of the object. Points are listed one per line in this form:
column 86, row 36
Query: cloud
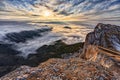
column 90, row 9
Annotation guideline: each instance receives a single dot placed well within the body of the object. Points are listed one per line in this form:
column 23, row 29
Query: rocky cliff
column 105, row 35
column 103, row 43
column 96, row 61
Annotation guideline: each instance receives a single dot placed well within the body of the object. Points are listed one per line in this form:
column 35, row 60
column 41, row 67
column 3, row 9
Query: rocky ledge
column 98, row 60
column 65, row 69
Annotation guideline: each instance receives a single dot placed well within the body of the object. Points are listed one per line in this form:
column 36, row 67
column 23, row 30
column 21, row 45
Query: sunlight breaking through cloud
column 60, row 9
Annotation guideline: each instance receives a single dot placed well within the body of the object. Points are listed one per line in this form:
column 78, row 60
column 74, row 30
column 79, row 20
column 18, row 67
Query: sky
column 66, row 10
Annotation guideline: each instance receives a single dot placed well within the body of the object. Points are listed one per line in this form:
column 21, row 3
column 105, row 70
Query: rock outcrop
column 105, row 35
column 104, row 39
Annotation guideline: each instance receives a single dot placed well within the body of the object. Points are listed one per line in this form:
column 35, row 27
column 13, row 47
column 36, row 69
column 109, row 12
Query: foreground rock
column 65, row 69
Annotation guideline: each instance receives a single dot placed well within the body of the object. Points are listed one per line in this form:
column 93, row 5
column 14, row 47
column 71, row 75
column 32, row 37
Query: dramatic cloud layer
column 78, row 9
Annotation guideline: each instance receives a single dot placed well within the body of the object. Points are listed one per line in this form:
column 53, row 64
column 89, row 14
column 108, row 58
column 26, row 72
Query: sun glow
column 50, row 15
column 47, row 13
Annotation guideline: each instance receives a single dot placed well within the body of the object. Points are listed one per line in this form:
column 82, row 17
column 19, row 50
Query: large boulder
column 104, row 35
